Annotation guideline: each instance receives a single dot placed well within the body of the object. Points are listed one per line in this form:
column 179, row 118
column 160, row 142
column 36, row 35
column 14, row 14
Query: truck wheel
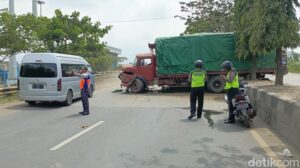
column 246, row 122
column 216, row 84
column 137, row 86
column 260, row 76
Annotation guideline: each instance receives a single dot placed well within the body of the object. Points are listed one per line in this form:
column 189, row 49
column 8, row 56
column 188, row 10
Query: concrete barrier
column 282, row 114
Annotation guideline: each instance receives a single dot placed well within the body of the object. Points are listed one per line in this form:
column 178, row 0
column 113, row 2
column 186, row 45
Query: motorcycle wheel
column 246, row 122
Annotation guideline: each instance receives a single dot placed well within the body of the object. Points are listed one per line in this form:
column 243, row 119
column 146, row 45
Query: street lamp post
column 41, row 3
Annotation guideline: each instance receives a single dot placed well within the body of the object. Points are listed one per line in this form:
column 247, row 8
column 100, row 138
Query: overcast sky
column 131, row 37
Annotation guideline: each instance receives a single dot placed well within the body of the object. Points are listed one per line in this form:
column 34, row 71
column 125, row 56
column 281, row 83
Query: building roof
column 114, row 50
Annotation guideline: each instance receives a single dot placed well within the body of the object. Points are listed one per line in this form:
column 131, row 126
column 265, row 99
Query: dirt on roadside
column 286, row 91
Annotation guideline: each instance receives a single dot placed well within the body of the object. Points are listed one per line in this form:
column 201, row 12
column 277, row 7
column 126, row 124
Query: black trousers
column 231, row 95
column 197, row 94
column 85, row 100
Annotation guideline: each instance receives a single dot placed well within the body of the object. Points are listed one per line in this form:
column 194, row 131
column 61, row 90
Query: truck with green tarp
column 172, row 59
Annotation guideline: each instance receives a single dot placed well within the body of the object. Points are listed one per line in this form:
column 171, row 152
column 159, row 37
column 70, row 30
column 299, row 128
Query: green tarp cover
column 176, row 55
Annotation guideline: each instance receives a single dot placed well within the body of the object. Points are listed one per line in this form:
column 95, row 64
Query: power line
column 139, row 20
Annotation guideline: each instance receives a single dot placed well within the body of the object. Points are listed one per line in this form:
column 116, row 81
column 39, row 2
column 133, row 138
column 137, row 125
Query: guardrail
column 105, row 74
column 8, row 91
column 100, row 75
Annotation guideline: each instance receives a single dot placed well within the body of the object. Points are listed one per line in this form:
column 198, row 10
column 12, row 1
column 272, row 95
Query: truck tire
column 216, row 84
column 260, row 76
column 137, row 86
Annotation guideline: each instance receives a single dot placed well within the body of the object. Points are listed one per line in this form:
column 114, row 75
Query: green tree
column 69, row 34
column 21, row 33
column 274, row 26
column 243, row 24
column 72, row 35
column 207, row 16
column 31, row 28
column 12, row 40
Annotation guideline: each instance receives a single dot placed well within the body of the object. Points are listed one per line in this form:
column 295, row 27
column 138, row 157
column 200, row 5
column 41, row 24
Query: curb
column 282, row 114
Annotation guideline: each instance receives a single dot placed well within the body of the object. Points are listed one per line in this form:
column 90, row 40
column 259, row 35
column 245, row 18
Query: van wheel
column 216, row 84
column 31, row 103
column 91, row 91
column 137, row 86
column 69, row 99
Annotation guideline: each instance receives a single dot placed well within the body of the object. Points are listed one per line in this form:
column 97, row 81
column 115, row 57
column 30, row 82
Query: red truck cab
column 137, row 77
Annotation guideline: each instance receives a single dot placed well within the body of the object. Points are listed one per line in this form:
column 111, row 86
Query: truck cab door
column 146, row 69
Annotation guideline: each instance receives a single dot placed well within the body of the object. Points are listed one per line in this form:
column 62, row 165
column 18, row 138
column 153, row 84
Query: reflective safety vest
column 85, row 82
column 198, row 79
column 234, row 83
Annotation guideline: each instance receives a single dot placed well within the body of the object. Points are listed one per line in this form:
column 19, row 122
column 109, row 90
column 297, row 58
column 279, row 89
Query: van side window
column 90, row 68
column 67, row 70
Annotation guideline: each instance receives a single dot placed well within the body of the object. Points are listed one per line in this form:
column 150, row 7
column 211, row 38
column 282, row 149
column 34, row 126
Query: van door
column 39, row 79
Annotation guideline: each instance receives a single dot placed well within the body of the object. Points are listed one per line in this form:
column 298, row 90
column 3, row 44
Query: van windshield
column 39, row 70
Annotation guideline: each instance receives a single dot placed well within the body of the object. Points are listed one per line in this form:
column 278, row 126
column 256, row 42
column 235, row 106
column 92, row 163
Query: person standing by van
column 84, row 87
column 197, row 80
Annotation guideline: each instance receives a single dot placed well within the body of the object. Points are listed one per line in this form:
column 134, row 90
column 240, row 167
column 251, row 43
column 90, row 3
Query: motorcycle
column 244, row 111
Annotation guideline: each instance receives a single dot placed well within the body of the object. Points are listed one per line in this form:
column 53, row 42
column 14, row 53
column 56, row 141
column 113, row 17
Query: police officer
column 232, row 88
column 197, row 80
column 84, row 87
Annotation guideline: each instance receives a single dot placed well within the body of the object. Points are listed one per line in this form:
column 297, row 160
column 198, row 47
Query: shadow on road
column 74, row 115
column 237, row 127
column 38, row 106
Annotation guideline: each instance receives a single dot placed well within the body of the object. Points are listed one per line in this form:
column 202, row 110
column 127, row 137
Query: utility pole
column 41, row 3
column 34, row 8
column 11, row 8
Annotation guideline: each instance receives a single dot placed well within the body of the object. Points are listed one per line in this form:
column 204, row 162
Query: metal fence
column 10, row 90
column 106, row 74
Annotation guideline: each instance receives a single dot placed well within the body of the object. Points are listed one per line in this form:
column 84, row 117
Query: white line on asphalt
column 75, row 136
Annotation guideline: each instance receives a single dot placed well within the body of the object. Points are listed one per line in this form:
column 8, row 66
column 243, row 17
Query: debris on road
column 286, row 153
column 84, row 126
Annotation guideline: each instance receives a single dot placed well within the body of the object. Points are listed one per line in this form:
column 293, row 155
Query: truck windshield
column 39, row 70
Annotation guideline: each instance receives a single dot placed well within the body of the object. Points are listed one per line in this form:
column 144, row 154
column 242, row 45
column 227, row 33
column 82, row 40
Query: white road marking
column 75, row 136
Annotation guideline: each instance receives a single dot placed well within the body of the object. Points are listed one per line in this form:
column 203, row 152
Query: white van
column 47, row 77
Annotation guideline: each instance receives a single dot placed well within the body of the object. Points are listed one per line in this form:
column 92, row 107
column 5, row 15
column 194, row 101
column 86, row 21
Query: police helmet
column 198, row 64
column 227, row 65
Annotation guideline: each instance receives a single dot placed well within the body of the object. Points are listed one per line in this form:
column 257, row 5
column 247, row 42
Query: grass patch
column 117, row 91
column 14, row 97
column 294, row 66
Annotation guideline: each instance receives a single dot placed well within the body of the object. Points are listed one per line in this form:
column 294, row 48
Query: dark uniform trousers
column 231, row 95
column 197, row 94
column 85, row 100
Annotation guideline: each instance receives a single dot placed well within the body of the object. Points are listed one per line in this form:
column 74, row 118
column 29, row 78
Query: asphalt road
column 129, row 131
column 290, row 79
